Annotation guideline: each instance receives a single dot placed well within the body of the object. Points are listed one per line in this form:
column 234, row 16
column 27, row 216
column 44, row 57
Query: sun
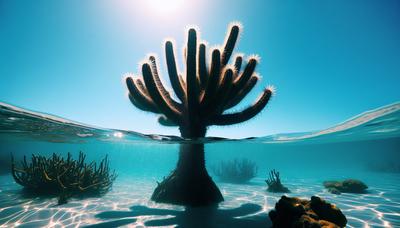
column 165, row 6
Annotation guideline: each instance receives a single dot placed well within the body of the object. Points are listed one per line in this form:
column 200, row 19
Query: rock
column 334, row 191
column 314, row 213
column 353, row 186
column 346, row 186
column 327, row 211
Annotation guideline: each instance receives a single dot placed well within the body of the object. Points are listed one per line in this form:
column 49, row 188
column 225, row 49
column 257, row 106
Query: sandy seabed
column 245, row 205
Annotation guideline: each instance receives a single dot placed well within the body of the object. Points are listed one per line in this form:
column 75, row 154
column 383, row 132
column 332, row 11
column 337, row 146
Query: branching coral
column 63, row 177
column 274, row 182
column 235, row 171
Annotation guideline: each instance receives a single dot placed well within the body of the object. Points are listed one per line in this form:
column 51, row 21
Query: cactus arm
column 242, row 93
column 183, row 84
column 238, row 64
column 137, row 104
column 203, row 74
column 138, row 98
column 192, row 86
column 176, row 80
column 159, row 84
column 163, row 120
column 140, row 85
column 230, row 44
column 247, row 73
column 213, row 81
column 158, row 98
column 246, row 114
column 244, row 77
column 216, row 105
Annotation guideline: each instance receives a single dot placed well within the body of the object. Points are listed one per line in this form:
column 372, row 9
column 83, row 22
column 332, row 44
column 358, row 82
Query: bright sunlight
column 165, row 6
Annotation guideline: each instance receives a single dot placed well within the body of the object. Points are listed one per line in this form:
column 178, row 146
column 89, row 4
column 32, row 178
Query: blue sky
column 329, row 60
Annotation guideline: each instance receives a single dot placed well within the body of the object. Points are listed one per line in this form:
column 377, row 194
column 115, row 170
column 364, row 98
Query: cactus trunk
column 189, row 184
column 193, row 130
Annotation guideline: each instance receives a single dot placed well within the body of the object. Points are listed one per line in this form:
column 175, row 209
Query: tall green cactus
column 204, row 97
column 206, row 94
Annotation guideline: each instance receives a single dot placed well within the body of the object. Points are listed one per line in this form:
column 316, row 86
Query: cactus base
column 189, row 184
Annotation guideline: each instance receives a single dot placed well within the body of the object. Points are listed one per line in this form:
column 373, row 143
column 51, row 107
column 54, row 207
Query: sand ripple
column 128, row 204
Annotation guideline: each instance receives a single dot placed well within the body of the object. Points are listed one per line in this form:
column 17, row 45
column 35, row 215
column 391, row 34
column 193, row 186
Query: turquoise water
column 365, row 147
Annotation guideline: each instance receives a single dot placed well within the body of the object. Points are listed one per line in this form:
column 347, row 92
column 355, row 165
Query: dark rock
column 327, row 211
column 346, row 186
column 334, row 191
column 296, row 212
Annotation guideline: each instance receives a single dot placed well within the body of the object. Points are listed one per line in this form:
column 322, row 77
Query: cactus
column 206, row 94
column 203, row 99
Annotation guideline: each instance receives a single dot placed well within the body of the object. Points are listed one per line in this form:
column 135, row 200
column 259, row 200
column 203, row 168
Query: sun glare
column 165, row 6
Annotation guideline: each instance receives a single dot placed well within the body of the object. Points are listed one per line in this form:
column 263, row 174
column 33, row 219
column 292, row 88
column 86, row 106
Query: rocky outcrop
column 346, row 186
column 314, row 213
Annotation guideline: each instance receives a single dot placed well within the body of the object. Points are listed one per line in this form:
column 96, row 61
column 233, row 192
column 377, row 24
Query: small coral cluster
column 63, row 177
column 346, row 186
column 274, row 183
column 235, row 171
column 295, row 212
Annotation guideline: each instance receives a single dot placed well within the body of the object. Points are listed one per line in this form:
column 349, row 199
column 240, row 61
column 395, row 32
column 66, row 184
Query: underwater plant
column 346, row 186
column 205, row 96
column 63, row 177
column 235, row 171
column 274, row 183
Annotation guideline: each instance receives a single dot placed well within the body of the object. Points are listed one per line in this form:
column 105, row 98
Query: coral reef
column 205, row 93
column 63, row 177
column 235, row 171
column 346, row 186
column 314, row 213
column 274, row 183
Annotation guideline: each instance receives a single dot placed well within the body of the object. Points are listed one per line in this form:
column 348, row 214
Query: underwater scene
column 365, row 148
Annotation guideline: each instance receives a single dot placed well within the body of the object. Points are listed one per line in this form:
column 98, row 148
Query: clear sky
column 329, row 59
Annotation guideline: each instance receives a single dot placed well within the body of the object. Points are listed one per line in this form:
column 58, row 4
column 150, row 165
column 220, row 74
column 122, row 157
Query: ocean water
column 366, row 147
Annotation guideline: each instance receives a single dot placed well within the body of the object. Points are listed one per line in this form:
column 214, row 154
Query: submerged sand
column 245, row 205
